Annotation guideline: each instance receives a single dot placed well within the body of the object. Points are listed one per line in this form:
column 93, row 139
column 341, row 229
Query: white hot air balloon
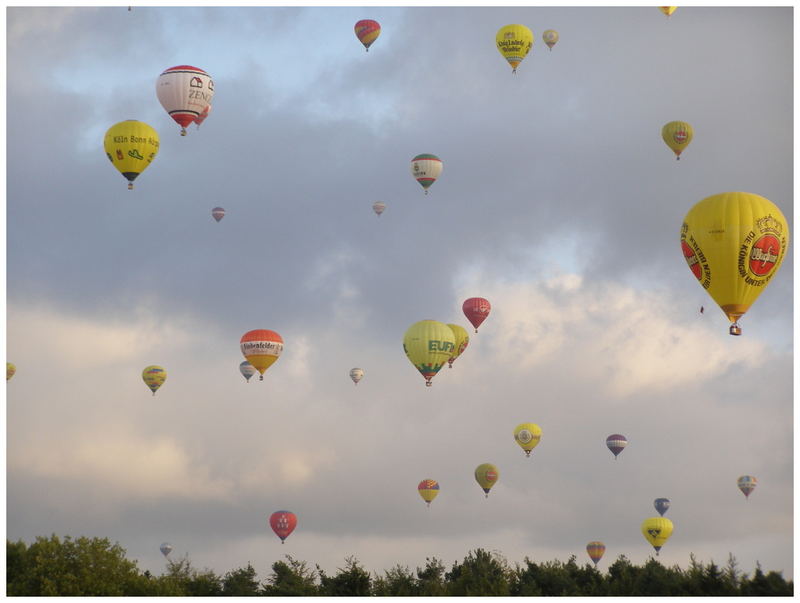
column 247, row 370
column 425, row 169
column 185, row 92
column 378, row 207
column 166, row 549
column 356, row 375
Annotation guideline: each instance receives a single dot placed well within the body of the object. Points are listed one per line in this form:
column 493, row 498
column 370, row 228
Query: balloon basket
column 261, row 377
column 735, row 329
column 130, row 186
column 183, row 131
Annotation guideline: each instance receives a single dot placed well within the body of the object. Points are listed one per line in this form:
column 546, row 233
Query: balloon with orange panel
column 367, row 31
column 283, row 523
column 476, row 309
column 428, row 489
column 261, row 348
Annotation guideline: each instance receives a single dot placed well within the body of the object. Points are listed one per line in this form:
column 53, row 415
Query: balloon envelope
column 677, row 135
column 283, row 523
column 428, row 489
column 10, row 370
column 429, row 344
column 667, row 10
column 426, row 168
column 527, row 435
column 461, row 342
column 262, row 348
column 734, row 243
column 486, row 475
column 476, row 309
column 657, row 531
column 514, row 42
column 247, row 370
column 661, row 505
column 378, row 207
column 550, row 38
column 131, row 146
column 165, row 548
column 367, row 31
column 747, row 483
column 616, row 443
column 356, row 374
column 185, row 92
column 596, row 549
column 218, row 213
column 154, row 377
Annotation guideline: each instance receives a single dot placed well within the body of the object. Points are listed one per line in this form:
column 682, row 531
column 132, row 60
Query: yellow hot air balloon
column 429, row 344
column 131, row 146
column 657, row 531
column 677, row 135
column 667, row 10
column 734, row 244
column 461, row 342
column 10, row 370
column 486, row 475
column 550, row 38
column 154, row 377
column 514, row 42
column 428, row 489
column 527, row 436
column 261, row 348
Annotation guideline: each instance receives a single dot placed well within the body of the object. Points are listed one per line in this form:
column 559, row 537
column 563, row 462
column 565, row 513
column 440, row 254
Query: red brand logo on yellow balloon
column 764, row 254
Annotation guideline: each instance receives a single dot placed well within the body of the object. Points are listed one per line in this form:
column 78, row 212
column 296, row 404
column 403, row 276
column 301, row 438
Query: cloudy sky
column 558, row 202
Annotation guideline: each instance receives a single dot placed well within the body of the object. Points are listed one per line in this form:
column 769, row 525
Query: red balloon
column 476, row 309
column 283, row 523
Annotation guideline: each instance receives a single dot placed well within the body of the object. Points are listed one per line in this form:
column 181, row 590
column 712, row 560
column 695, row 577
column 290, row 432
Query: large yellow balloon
column 657, row 531
column 514, row 42
column 486, row 475
column 131, row 146
column 461, row 342
column 734, row 244
column 677, row 135
column 429, row 344
column 527, row 436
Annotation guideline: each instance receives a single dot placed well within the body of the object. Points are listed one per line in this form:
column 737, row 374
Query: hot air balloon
column 378, row 207
column 185, row 92
column 154, row 377
column 283, row 523
column 131, row 146
column 218, row 213
column 677, row 135
column 667, row 10
column 747, row 483
column 476, row 309
column 367, row 31
column 661, row 505
column 514, row 42
column 461, row 342
column 595, row 549
column 657, row 531
column 10, row 370
column 429, row 344
column 616, row 443
column 261, row 347
column 166, row 549
column 734, row 244
column 247, row 370
column 486, row 475
column 527, row 436
column 202, row 117
column 356, row 374
column 550, row 38
column 426, row 168
column 428, row 489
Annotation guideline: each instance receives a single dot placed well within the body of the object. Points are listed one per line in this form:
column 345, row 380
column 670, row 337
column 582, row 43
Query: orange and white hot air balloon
column 261, row 348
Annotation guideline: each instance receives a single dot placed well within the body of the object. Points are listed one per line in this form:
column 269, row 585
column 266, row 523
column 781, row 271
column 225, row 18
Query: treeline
column 95, row 567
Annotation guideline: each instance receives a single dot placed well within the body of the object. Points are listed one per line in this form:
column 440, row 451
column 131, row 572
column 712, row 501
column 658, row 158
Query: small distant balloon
column 486, row 475
column 10, row 370
column 247, row 370
column 367, row 31
column 616, row 443
column 218, row 213
column 661, row 505
column 527, row 435
column 426, row 168
column 261, row 348
column 428, row 489
column 166, row 549
column 747, row 483
column 283, row 523
column 657, row 531
column 550, row 38
column 596, row 549
column 202, row 117
column 428, row 344
column 476, row 309
column 677, row 135
column 461, row 343
column 356, row 374
column 154, row 377
column 378, row 207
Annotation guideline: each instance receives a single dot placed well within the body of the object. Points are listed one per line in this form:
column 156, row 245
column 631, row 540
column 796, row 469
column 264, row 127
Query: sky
column 558, row 202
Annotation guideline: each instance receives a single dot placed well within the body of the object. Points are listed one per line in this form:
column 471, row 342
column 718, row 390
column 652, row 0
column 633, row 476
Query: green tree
column 656, row 580
column 771, row 585
column 396, row 582
column 481, row 573
column 182, row 579
column 551, row 578
column 241, row 583
column 622, row 577
column 292, row 579
column 430, row 579
column 351, row 581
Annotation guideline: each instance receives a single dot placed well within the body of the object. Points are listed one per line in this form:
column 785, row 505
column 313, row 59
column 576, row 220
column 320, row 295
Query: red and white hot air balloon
column 476, row 309
column 218, row 213
column 185, row 92
column 283, row 523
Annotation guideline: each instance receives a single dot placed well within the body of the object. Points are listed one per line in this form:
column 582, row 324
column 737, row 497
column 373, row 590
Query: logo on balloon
column 764, row 254
column 491, row 476
column 680, row 136
column 525, row 436
column 692, row 260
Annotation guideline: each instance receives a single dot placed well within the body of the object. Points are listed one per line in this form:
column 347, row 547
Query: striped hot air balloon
column 595, row 549
column 616, row 443
column 428, row 489
column 426, row 168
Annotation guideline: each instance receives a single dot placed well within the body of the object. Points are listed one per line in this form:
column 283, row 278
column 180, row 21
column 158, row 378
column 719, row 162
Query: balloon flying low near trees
column 476, row 309
column 486, row 475
column 616, row 443
column 154, row 377
column 514, row 42
column 426, row 168
column 461, row 342
column 657, row 531
column 747, row 483
column 367, row 31
column 283, row 523
column 247, row 370
column 527, row 435
column 166, row 549
column 185, row 92
column 356, row 374
column 218, row 213
column 595, row 549
column 131, row 146
column 677, row 135
column 734, row 243
column 428, row 344
column 261, row 348
column 428, row 489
